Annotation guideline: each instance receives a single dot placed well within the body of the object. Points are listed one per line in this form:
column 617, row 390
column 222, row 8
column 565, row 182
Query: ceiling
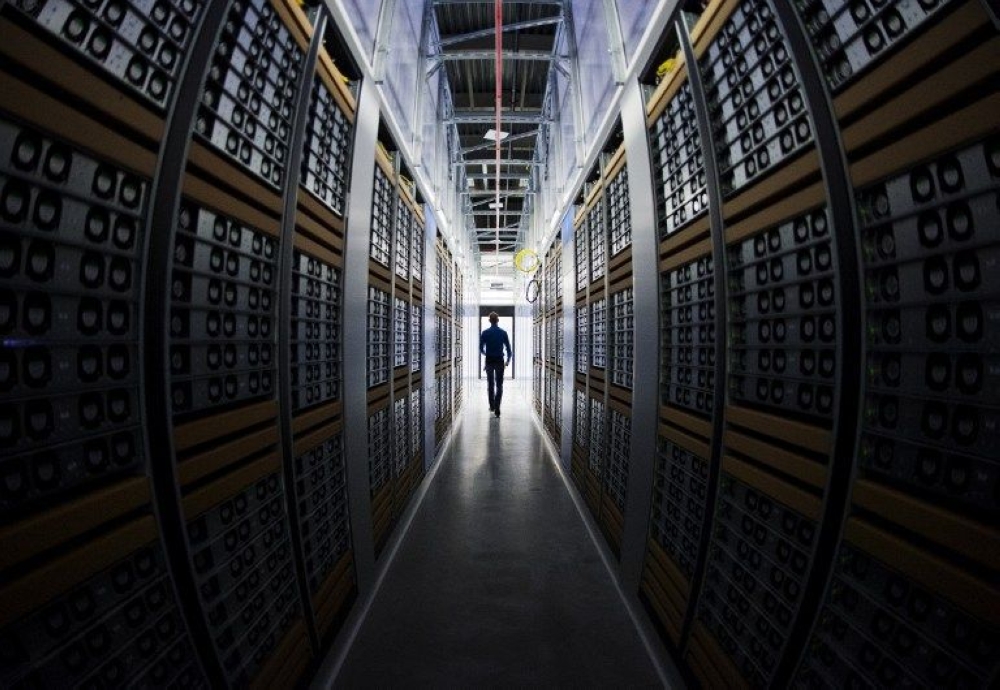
column 466, row 54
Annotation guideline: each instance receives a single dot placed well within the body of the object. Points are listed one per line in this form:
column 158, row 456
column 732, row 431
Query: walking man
column 492, row 342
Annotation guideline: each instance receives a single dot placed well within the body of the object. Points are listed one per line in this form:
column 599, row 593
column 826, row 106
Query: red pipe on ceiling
column 498, row 98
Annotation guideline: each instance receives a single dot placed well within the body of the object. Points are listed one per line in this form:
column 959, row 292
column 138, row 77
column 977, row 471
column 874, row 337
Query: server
column 183, row 501
column 823, row 497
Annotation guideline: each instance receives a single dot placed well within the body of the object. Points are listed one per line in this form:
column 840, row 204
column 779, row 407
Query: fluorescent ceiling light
column 486, row 171
column 491, row 134
column 494, row 204
column 470, row 182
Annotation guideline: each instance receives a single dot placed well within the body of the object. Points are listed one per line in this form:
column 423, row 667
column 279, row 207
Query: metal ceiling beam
column 516, row 26
column 492, row 193
column 500, row 176
column 466, row 117
column 493, row 212
column 539, row 55
column 490, row 144
column 527, row 162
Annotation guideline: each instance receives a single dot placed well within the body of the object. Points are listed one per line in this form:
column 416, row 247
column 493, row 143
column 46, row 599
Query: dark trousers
column 494, row 381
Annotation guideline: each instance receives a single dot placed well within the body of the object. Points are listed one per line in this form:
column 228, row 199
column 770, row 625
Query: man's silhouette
column 492, row 342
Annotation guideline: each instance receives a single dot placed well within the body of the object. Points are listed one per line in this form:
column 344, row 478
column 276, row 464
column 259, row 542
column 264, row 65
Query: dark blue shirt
column 493, row 341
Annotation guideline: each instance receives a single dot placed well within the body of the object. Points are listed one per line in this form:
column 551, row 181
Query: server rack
column 822, row 208
column 448, row 299
column 604, row 332
column 394, row 375
column 173, row 181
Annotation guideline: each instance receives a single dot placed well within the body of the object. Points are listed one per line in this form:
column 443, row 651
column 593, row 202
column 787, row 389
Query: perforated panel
column 325, row 164
column 323, row 513
column 317, row 332
column 622, row 338
column 381, row 236
column 598, row 427
column 403, row 239
column 379, row 450
column 756, row 105
column 680, row 493
column 242, row 556
column 401, row 332
column 678, row 166
column 70, row 261
column 599, row 333
column 931, row 239
column 222, row 310
column 687, row 322
column 246, row 109
column 597, row 238
column 619, row 449
column 619, row 212
column 757, row 565
column 783, row 319
column 121, row 627
column 139, row 45
column 378, row 336
column 878, row 627
column 849, row 38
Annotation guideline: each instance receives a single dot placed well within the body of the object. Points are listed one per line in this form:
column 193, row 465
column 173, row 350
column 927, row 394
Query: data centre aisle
column 497, row 582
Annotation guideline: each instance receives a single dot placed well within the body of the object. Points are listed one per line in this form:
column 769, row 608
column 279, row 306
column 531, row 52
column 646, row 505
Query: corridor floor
column 497, row 583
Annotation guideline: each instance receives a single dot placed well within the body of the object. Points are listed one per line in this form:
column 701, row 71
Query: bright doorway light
column 491, row 134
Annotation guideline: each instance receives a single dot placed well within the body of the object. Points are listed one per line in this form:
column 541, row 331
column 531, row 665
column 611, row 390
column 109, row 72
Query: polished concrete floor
column 497, row 583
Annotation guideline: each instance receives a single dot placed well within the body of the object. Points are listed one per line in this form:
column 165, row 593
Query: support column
column 355, row 332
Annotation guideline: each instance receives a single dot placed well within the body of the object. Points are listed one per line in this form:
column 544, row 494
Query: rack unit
column 547, row 326
column 448, row 298
column 395, row 342
column 816, row 521
column 605, row 333
column 220, row 273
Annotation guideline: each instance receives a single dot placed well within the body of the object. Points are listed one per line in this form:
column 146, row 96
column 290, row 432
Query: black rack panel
column 417, row 251
column 140, row 45
column 243, row 563
column 597, row 239
column 931, row 415
column 222, row 312
column 121, row 627
column 401, row 455
column 680, row 495
column 317, row 332
column 583, row 339
column 581, row 255
column 878, row 627
column 755, row 99
column 687, row 320
column 597, row 436
column 403, row 238
column 678, row 165
column 783, row 319
column 401, row 332
column 619, row 212
column 416, row 336
column 850, row 38
column 619, row 450
column 325, row 163
column 378, row 336
column 622, row 337
column 381, row 236
column 416, row 423
column 323, row 511
column 72, row 244
column 379, row 450
column 599, row 333
column 246, row 109
column 758, row 561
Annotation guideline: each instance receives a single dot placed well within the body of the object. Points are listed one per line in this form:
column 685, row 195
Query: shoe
column 497, row 411
column 492, row 409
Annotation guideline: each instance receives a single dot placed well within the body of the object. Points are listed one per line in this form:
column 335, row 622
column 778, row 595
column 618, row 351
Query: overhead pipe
column 498, row 102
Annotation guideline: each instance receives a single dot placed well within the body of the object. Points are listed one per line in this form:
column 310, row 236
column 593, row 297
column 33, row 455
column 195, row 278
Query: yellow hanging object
column 665, row 68
column 526, row 261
